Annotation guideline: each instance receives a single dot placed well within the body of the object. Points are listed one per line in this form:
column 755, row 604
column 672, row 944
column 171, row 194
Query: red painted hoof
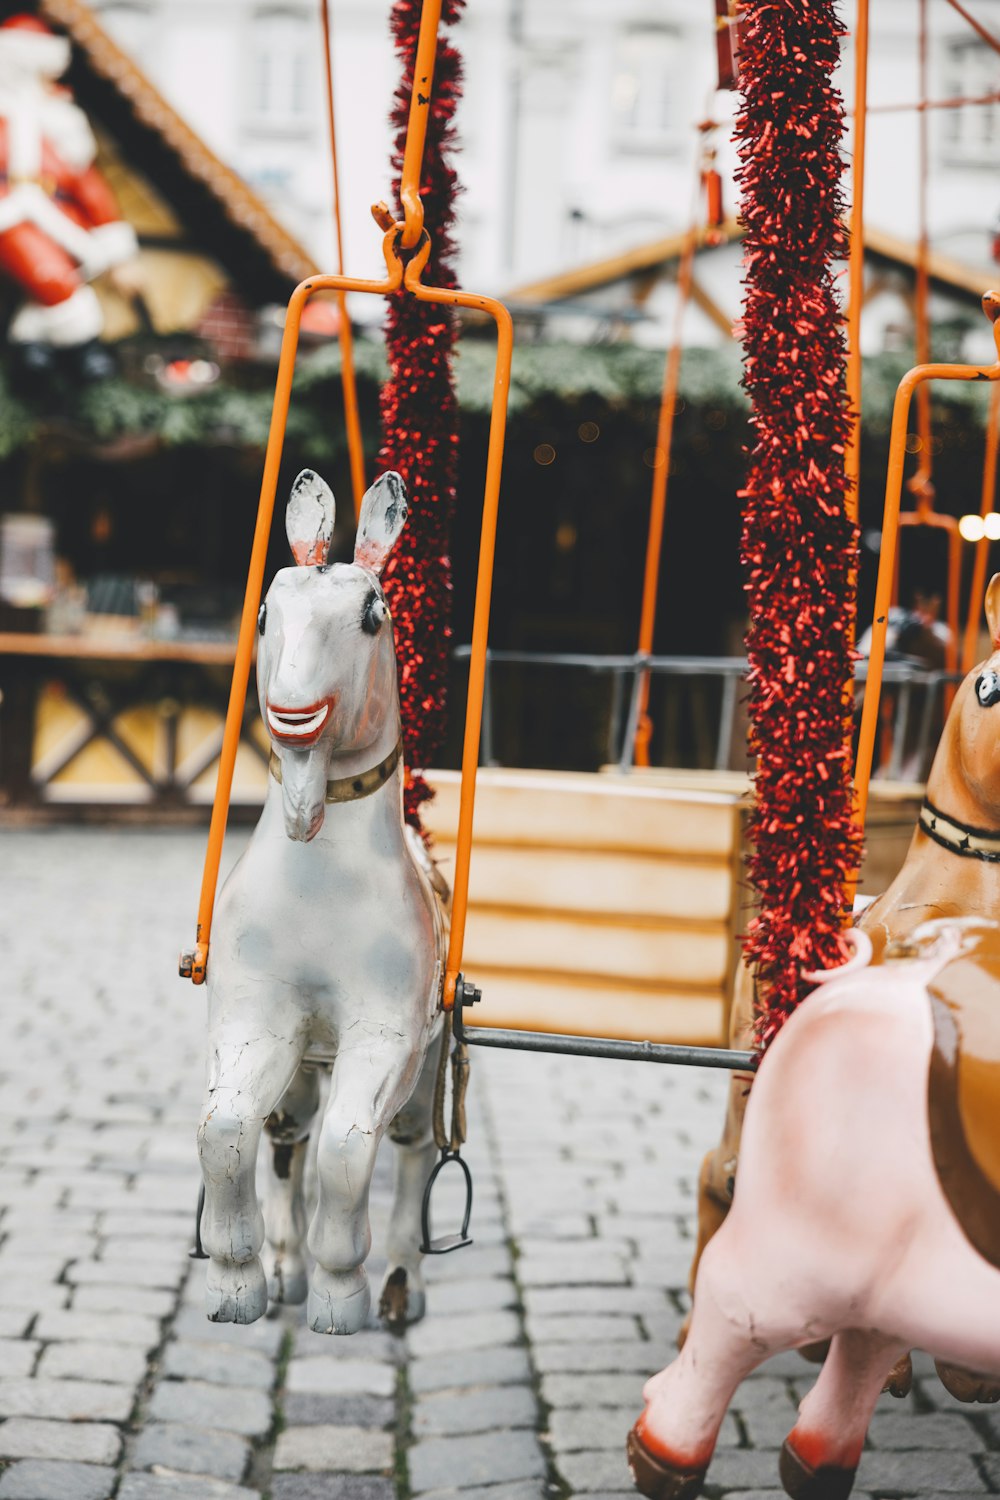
column 657, row 1479
column 803, row 1482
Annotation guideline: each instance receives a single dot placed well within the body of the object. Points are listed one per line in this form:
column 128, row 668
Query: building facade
column 577, row 138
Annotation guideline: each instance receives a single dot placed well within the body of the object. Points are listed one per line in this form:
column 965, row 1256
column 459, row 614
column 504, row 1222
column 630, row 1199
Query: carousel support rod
column 352, row 421
column 921, row 484
column 194, row 962
column 855, row 302
column 416, row 130
column 856, row 264
column 484, row 588
column 624, row 1051
column 661, row 470
column 910, row 382
column 987, row 502
column 977, row 26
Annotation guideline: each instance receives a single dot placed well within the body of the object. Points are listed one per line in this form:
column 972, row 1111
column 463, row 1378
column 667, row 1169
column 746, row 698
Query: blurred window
column 279, row 79
column 972, row 133
column 643, row 87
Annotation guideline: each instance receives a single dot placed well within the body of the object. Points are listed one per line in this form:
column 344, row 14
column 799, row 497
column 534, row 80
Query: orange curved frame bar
column 986, row 503
column 890, row 538
column 397, row 278
column 349, row 385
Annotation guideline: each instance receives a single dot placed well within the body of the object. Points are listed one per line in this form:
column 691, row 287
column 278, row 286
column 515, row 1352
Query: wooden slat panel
column 625, row 885
column 539, row 1004
column 695, row 956
column 581, row 811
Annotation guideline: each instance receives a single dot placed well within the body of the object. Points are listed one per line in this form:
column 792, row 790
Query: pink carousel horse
column 866, row 1211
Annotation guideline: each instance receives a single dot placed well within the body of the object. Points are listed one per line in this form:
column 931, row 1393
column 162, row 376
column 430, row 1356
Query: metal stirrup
column 450, row 1143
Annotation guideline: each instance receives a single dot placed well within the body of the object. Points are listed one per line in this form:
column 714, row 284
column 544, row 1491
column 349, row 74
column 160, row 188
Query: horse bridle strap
column 352, row 788
column 960, row 838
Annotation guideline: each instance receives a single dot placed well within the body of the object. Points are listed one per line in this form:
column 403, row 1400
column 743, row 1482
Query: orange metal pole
column 416, row 128
column 856, row 264
column 910, row 382
column 986, row 505
column 855, row 301
column 958, row 101
column 661, row 477
column 977, row 26
column 408, row 235
column 920, row 483
column 255, row 578
column 258, row 559
column 352, row 420
column 484, row 589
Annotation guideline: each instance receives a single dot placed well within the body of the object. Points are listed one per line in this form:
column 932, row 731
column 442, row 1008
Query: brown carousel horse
column 952, row 869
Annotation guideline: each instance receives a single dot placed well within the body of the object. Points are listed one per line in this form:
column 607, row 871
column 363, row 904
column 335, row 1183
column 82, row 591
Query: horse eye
column 375, row 613
column 261, row 619
column 988, row 689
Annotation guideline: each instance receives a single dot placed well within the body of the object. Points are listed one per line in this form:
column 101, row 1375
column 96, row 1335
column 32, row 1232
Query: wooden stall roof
column 653, row 255
column 261, row 258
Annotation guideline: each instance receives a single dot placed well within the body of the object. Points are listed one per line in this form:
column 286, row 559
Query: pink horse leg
column 671, row 1445
column 823, row 1450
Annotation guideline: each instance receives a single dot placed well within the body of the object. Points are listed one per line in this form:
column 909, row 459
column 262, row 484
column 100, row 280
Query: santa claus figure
column 60, row 225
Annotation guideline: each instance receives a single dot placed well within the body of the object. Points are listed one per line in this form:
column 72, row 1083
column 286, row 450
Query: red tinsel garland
column 799, row 546
column 420, row 417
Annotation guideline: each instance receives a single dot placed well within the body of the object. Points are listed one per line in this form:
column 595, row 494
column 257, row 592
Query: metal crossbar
column 509, row 1040
column 918, row 689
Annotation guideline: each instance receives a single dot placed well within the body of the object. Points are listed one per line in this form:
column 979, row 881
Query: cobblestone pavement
column 526, row 1374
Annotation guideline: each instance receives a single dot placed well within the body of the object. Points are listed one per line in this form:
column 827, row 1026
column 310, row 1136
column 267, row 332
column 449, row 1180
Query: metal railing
column 914, row 705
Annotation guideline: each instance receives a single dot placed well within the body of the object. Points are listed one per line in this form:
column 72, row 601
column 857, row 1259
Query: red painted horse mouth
column 298, row 726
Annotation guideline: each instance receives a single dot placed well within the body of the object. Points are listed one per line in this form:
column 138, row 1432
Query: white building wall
column 559, row 168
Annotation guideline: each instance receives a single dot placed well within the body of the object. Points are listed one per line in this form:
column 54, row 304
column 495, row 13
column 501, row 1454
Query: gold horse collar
column 960, row 838
column 352, row 788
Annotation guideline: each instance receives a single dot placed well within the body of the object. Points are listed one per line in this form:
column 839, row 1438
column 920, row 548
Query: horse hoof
column 803, row 1482
column 287, row 1280
column 966, row 1385
column 235, row 1293
column 402, row 1301
column 899, row 1380
column 339, row 1301
column 657, row 1479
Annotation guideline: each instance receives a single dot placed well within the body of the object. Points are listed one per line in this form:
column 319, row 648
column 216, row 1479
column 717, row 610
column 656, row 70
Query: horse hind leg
column 287, row 1129
column 249, row 1076
column 403, row 1298
column 821, row 1454
column 670, row 1447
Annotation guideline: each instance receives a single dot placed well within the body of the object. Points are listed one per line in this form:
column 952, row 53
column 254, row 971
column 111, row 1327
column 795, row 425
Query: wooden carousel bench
column 610, row 905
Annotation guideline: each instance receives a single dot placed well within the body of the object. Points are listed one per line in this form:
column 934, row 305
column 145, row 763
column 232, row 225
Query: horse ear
column 309, row 519
column 383, row 516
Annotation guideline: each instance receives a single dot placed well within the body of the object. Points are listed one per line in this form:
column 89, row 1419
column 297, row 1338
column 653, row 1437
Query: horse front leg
column 251, row 1066
column 412, row 1132
column 371, row 1081
column 288, row 1128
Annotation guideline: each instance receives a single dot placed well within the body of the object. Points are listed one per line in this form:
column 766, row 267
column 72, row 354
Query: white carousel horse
column 866, row 1211
column 329, row 934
